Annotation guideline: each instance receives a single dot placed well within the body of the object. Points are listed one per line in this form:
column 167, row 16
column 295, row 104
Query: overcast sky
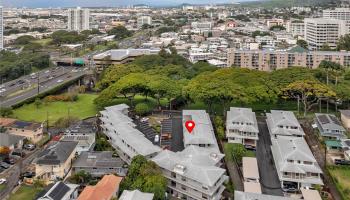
column 106, row 3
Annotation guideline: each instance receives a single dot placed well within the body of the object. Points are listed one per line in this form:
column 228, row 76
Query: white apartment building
column 202, row 26
column 320, row 31
column 144, row 20
column 1, row 28
column 296, row 28
column 283, row 123
column 337, row 13
column 123, row 135
column 241, row 126
column 295, row 163
column 78, row 19
column 203, row 134
column 194, row 173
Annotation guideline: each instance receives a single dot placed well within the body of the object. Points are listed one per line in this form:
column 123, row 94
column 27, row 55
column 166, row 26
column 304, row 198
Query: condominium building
column 78, row 19
column 142, row 20
column 194, row 173
column 337, row 13
column 283, row 123
column 123, row 135
column 295, row 163
column 203, row 134
column 320, row 31
column 266, row 60
column 1, row 28
column 296, row 28
column 242, row 127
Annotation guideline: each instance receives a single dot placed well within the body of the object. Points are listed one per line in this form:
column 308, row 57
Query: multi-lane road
column 29, row 86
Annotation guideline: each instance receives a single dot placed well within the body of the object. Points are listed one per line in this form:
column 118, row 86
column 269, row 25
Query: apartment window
column 183, row 187
column 307, row 163
column 205, row 188
column 183, row 178
column 290, row 161
column 204, row 196
column 173, row 174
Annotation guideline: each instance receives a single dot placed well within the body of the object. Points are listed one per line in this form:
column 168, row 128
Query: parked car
column 250, row 147
column 291, row 189
column 166, row 136
column 341, row 162
column 3, row 181
column 29, row 147
column 144, row 119
column 18, row 154
column 10, row 161
column 28, row 175
column 156, row 138
column 5, row 165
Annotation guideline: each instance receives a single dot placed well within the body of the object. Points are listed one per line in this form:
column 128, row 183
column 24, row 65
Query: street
column 12, row 175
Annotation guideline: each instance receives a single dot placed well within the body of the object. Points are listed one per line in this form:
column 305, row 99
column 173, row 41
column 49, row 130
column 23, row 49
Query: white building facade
column 1, row 28
column 78, row 19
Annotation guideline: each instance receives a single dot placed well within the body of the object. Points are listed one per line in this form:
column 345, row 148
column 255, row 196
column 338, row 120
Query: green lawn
column 43, row 42
column 236, row 151
column 2, row 186
column 341, row 177
column 84, row 107
column 25, row 193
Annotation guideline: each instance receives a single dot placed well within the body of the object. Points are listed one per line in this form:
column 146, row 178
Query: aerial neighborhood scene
column 175, row 100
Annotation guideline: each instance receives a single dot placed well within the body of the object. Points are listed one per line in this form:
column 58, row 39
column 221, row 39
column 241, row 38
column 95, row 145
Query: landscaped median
column 341, row 178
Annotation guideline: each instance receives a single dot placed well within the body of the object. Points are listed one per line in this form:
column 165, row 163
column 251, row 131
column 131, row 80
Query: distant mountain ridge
column 291, row 3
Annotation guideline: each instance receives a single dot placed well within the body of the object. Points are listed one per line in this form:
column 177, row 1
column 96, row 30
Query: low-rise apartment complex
column 203, row 134
column 283, row 123
column 241, row 126
column 193, row 173
column 268, row 60
column 295, row 163
column 123, row 135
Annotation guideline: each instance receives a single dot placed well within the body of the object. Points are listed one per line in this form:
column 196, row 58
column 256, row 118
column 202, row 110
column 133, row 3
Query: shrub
column 65, row 122
column 70, row 97
column 142, row 109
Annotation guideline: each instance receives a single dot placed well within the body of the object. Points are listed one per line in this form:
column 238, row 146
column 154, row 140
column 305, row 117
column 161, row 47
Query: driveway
column 269, row 180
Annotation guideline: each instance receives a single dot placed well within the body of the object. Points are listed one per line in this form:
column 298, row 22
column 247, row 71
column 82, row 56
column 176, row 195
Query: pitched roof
column 278, row 120
column 196, row 163
column 135, row 195
column 56, row 153
column 329, row 121
column 242, row 115
column 59, row 191
column 286, row 148
column 14, row 123
column 116, row 119
column 203, row 132
column 9, row 139
column 102, row 159
column 345, row 112
column 105, row 189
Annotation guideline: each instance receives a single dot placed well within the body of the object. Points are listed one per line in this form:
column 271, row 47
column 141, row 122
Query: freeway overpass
column 45, row 81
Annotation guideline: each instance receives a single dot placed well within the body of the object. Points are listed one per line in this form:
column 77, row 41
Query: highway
column 26, row 87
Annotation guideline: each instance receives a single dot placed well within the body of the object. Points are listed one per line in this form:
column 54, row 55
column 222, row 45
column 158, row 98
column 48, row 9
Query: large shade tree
column 309, row 92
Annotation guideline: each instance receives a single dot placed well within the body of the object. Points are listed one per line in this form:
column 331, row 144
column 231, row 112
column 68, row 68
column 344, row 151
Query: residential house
column 329, row 126
column 345, row 118
column 295, row 162
column 11, row 141
column 254, row 196
column 55, row 161
column 60, row 191
column 31, row 130
column 345, row 143
column 106, row 189
column 99, row 163
column 123, row 135
column 203, row 134
column 84, row 133
column 242, row 127
column 135, row 195
column 283, row 123
column 193, row 173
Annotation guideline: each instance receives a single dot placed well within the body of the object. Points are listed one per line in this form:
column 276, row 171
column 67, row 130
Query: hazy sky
column 87, row 3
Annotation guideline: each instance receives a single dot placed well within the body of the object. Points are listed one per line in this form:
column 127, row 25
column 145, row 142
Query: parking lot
column 269, row 180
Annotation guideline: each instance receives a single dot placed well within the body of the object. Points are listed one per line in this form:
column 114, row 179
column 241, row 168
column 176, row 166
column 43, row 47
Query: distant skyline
column 103, row 3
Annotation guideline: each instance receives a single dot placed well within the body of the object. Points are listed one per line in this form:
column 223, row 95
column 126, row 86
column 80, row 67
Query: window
column 183, row 187
column 204, row 196
column 183, row 178
column 204, row 187
column 173, row 175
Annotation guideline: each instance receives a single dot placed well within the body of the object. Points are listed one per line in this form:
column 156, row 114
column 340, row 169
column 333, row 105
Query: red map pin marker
column 190, row 125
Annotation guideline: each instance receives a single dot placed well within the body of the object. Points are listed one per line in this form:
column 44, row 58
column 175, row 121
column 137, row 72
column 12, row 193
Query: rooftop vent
column 180, row 169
